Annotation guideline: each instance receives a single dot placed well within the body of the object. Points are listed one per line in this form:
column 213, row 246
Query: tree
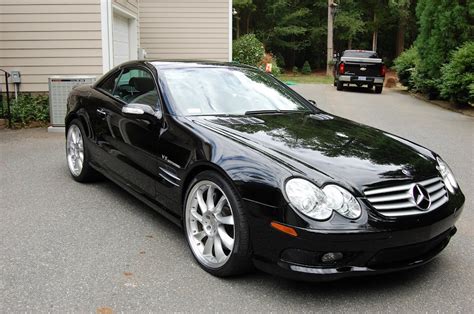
column 444, row 26
column 348, row 22
column 244, row 9
column 287, row 26
column 402, row 8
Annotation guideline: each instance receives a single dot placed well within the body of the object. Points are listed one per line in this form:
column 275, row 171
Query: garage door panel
column 121, row 39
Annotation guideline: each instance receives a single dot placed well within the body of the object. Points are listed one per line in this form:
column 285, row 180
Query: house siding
column 185, row 29
column 41, row 38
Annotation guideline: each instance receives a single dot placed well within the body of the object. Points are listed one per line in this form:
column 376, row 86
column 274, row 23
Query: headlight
column 319, row 204
column 342, row 201
column 447, row 175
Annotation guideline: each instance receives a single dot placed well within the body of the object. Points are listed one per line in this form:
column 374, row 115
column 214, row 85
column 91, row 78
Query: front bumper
column 364, row 252
column 354, row 79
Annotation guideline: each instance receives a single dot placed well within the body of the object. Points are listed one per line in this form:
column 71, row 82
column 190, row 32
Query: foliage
column 348, row 22
column 27, row 109
column 269, row 58
column 457, row 81
column 405, row 65
column 248, row 50
column 295, row 70
column 306, row 69
column 295, row 30
column 280, row 61
column 276, row 70
column 244, row 9
column 444, row 26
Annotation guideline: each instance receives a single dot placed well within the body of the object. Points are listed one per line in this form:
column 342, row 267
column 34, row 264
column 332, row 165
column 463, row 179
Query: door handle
column 101, row 112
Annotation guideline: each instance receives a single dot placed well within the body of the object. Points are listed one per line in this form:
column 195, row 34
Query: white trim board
column 106, row 34
column 230, row 30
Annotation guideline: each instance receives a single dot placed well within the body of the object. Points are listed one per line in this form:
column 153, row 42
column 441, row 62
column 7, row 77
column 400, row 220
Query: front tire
column 378, row 89
column 215, row 226
column 77, row 154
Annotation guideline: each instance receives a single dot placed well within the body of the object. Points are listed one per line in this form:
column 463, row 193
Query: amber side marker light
column 284, row 229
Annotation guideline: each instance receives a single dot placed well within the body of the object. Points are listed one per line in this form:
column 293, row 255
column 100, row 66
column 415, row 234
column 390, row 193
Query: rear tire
column 77, row 155
column 340, row 85
column 335, row 83
column 216, row 227
column 378, row 89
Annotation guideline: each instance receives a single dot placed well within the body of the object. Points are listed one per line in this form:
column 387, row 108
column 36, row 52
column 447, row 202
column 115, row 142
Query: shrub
column 27, row 109
column 295, row 70
column 443, row 26
column 248, row 50
column 275, row 68
column 269, row 58
column 457, row 83
column 280, row 61
column 306, row 69
column 405, row 65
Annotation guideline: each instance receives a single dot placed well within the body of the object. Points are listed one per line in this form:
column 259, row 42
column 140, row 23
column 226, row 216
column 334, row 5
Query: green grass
column 306, row 79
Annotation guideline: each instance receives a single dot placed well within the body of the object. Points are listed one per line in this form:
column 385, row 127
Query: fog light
column 331, row 257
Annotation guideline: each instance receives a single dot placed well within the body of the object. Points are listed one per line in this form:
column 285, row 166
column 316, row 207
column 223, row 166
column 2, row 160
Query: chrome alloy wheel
column 75, row 150
column 209, row 224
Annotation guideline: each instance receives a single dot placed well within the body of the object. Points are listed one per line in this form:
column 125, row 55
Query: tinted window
column 109, row 84
column 136, row 86
column 219, row 90
column 360, row 54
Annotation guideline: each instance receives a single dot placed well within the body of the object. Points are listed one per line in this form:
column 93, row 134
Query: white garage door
column 121, row 37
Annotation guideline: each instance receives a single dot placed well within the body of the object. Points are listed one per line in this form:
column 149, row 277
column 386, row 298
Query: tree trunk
column 349, row 44
column 248, row 24
column 330, row 41
column 375, row 34
column 400, row 47
column 238, row 27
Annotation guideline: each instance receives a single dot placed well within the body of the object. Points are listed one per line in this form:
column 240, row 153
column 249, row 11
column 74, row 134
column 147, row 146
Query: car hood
column 340, row 149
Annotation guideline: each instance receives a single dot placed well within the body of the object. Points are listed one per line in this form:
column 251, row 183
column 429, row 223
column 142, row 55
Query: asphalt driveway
column 73, row 247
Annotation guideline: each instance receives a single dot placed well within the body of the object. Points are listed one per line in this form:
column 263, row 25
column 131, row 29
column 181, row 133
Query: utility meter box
column 59, row 89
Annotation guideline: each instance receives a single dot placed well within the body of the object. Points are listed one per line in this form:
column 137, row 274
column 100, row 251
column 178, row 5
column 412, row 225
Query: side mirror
column 313, row 102
column 141, row 110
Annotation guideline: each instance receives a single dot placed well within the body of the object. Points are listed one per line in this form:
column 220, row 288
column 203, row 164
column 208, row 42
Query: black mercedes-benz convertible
column 257, row 175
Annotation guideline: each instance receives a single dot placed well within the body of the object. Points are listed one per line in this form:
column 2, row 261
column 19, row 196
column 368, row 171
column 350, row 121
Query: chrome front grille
column 398, row 200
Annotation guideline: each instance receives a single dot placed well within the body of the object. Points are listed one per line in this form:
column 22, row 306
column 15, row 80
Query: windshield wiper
column 270, row 111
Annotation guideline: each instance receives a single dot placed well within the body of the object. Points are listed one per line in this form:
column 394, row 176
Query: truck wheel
column 378, row 89
column 335, row 83
column 340, row 86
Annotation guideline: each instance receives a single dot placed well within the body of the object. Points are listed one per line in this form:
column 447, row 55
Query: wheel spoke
column 79, row 164
column 226, row 239
column 202, row 203
column 196, row 215
column 208, row 247
column 222, row 201
column 220, row 255
column 75, row 135
column 226, row 220
column 210, row 198
column 199, row 235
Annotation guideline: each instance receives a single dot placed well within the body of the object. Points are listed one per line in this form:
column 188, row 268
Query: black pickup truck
column 361, row 68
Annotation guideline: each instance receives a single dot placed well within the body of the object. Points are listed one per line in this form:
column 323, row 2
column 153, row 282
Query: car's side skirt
column 174, row 219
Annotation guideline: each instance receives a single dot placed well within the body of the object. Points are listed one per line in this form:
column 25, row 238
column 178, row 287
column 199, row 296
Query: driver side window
column 136, row 85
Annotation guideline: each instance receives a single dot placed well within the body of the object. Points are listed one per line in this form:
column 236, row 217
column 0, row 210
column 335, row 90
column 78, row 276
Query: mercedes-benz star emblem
column 421, row 197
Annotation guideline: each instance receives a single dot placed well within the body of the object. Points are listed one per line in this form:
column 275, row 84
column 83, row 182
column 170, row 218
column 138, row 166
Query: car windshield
column 226, row 91
column 360, row 54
